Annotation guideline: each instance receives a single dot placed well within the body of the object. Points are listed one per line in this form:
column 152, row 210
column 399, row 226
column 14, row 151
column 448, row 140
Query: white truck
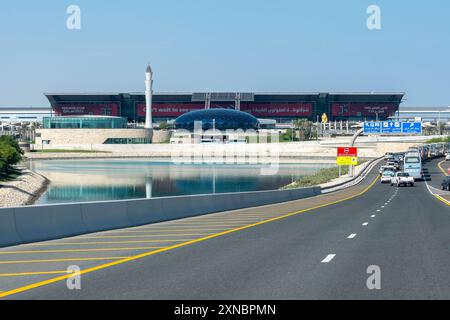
column 402, row 179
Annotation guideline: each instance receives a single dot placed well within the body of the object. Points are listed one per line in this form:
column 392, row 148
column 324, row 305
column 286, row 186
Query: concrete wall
column 161, row 136
column 41, row 223
column 85, row 137
column 369, row 147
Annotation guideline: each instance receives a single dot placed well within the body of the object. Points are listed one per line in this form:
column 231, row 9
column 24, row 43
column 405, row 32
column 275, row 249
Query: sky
column 225, row 45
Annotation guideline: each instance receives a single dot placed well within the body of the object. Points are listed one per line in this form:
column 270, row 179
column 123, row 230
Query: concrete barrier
column 8, row 231
column 101, row 216
column 48, row 222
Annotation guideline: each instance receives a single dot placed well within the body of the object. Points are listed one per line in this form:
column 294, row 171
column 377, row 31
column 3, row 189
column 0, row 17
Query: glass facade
column 84, row 123
column 220, row 119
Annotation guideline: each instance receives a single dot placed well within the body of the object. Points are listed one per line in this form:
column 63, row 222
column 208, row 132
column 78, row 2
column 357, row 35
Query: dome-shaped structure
column 220, row 119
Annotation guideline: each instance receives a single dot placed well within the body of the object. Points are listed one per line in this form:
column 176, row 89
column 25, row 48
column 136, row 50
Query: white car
column 447, row 157
column 386, row 168
column 387, row 176
column 402, row 179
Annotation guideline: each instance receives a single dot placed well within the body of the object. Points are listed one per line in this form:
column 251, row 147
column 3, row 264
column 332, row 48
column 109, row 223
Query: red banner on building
column 347, row 152
column 278, row 109
column 80, row 109
column 169, row 109
column 363, row 109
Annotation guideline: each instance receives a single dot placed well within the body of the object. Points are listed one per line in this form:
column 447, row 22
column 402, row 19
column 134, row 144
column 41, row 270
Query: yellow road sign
column 347, row 161
column 324, row 118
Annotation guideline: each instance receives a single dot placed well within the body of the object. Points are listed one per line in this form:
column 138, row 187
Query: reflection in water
column 99, row 180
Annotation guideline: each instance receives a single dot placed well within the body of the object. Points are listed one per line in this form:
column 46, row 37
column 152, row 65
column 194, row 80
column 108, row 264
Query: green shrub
column 10, row 154
column 439, row 140
column 323, row 176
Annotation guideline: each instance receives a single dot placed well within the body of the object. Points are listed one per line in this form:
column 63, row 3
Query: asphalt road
column 322, row 250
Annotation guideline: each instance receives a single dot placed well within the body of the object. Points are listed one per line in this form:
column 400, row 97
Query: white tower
column 148, row 98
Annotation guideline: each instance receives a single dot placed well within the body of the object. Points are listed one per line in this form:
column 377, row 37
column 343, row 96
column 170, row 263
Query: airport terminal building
column 283, row 107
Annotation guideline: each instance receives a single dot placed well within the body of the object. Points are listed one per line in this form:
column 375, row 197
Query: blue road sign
column 372, row 127
column 412, row 127
column 392, row 127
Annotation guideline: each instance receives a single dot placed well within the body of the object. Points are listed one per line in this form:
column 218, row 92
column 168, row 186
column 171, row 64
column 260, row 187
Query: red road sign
column 347, row 152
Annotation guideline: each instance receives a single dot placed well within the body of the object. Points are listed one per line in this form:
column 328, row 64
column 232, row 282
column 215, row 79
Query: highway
column 317, row 248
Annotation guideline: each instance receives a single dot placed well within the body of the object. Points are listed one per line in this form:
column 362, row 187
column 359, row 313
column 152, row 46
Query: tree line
column 10, row 154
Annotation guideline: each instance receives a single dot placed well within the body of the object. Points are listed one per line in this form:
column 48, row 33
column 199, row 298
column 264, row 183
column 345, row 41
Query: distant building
column 85, row 122
column 282, row 107
column 214, row 126
column 24, row 114
column 425, row 114
column 85, row 131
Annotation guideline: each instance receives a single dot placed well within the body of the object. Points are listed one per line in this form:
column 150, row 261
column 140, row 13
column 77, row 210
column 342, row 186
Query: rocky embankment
column 24, row 190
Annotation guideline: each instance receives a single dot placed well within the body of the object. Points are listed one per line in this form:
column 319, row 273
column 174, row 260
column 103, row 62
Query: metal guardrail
column 363, row 172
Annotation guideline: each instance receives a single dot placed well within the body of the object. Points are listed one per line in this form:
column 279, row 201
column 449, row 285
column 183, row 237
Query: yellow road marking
column 445, row 201
column 180, row 245
column 105, row 242
column 182, row 230
column 59, row 260
column 202, row 224
column 74, row 250
column 442, row 169
column 222, row 220
column 144, row 236
column 23, row 274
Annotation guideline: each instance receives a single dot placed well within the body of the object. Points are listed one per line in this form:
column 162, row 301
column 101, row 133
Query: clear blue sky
column 225, row 45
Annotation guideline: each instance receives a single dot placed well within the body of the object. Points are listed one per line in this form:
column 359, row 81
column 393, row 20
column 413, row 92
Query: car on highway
column 402, row 179
column 386, row 168
column 447, row 157
column 388, row 156
column 393, row 163
column 387, row 176
column 445, row 185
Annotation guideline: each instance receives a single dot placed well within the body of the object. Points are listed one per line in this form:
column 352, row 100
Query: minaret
column 148, row 98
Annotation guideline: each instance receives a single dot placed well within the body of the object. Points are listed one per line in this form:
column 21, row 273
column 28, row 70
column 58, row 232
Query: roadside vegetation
column 10, row 155
column 304, row 130
column 323, row 176
column 439, row 140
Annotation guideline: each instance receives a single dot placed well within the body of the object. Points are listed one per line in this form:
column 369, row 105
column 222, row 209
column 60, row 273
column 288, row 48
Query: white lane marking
column 328, row 258
column 352, row 236
column 365, row 224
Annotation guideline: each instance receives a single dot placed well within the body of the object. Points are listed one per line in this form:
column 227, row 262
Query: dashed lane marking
column 329, row 258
